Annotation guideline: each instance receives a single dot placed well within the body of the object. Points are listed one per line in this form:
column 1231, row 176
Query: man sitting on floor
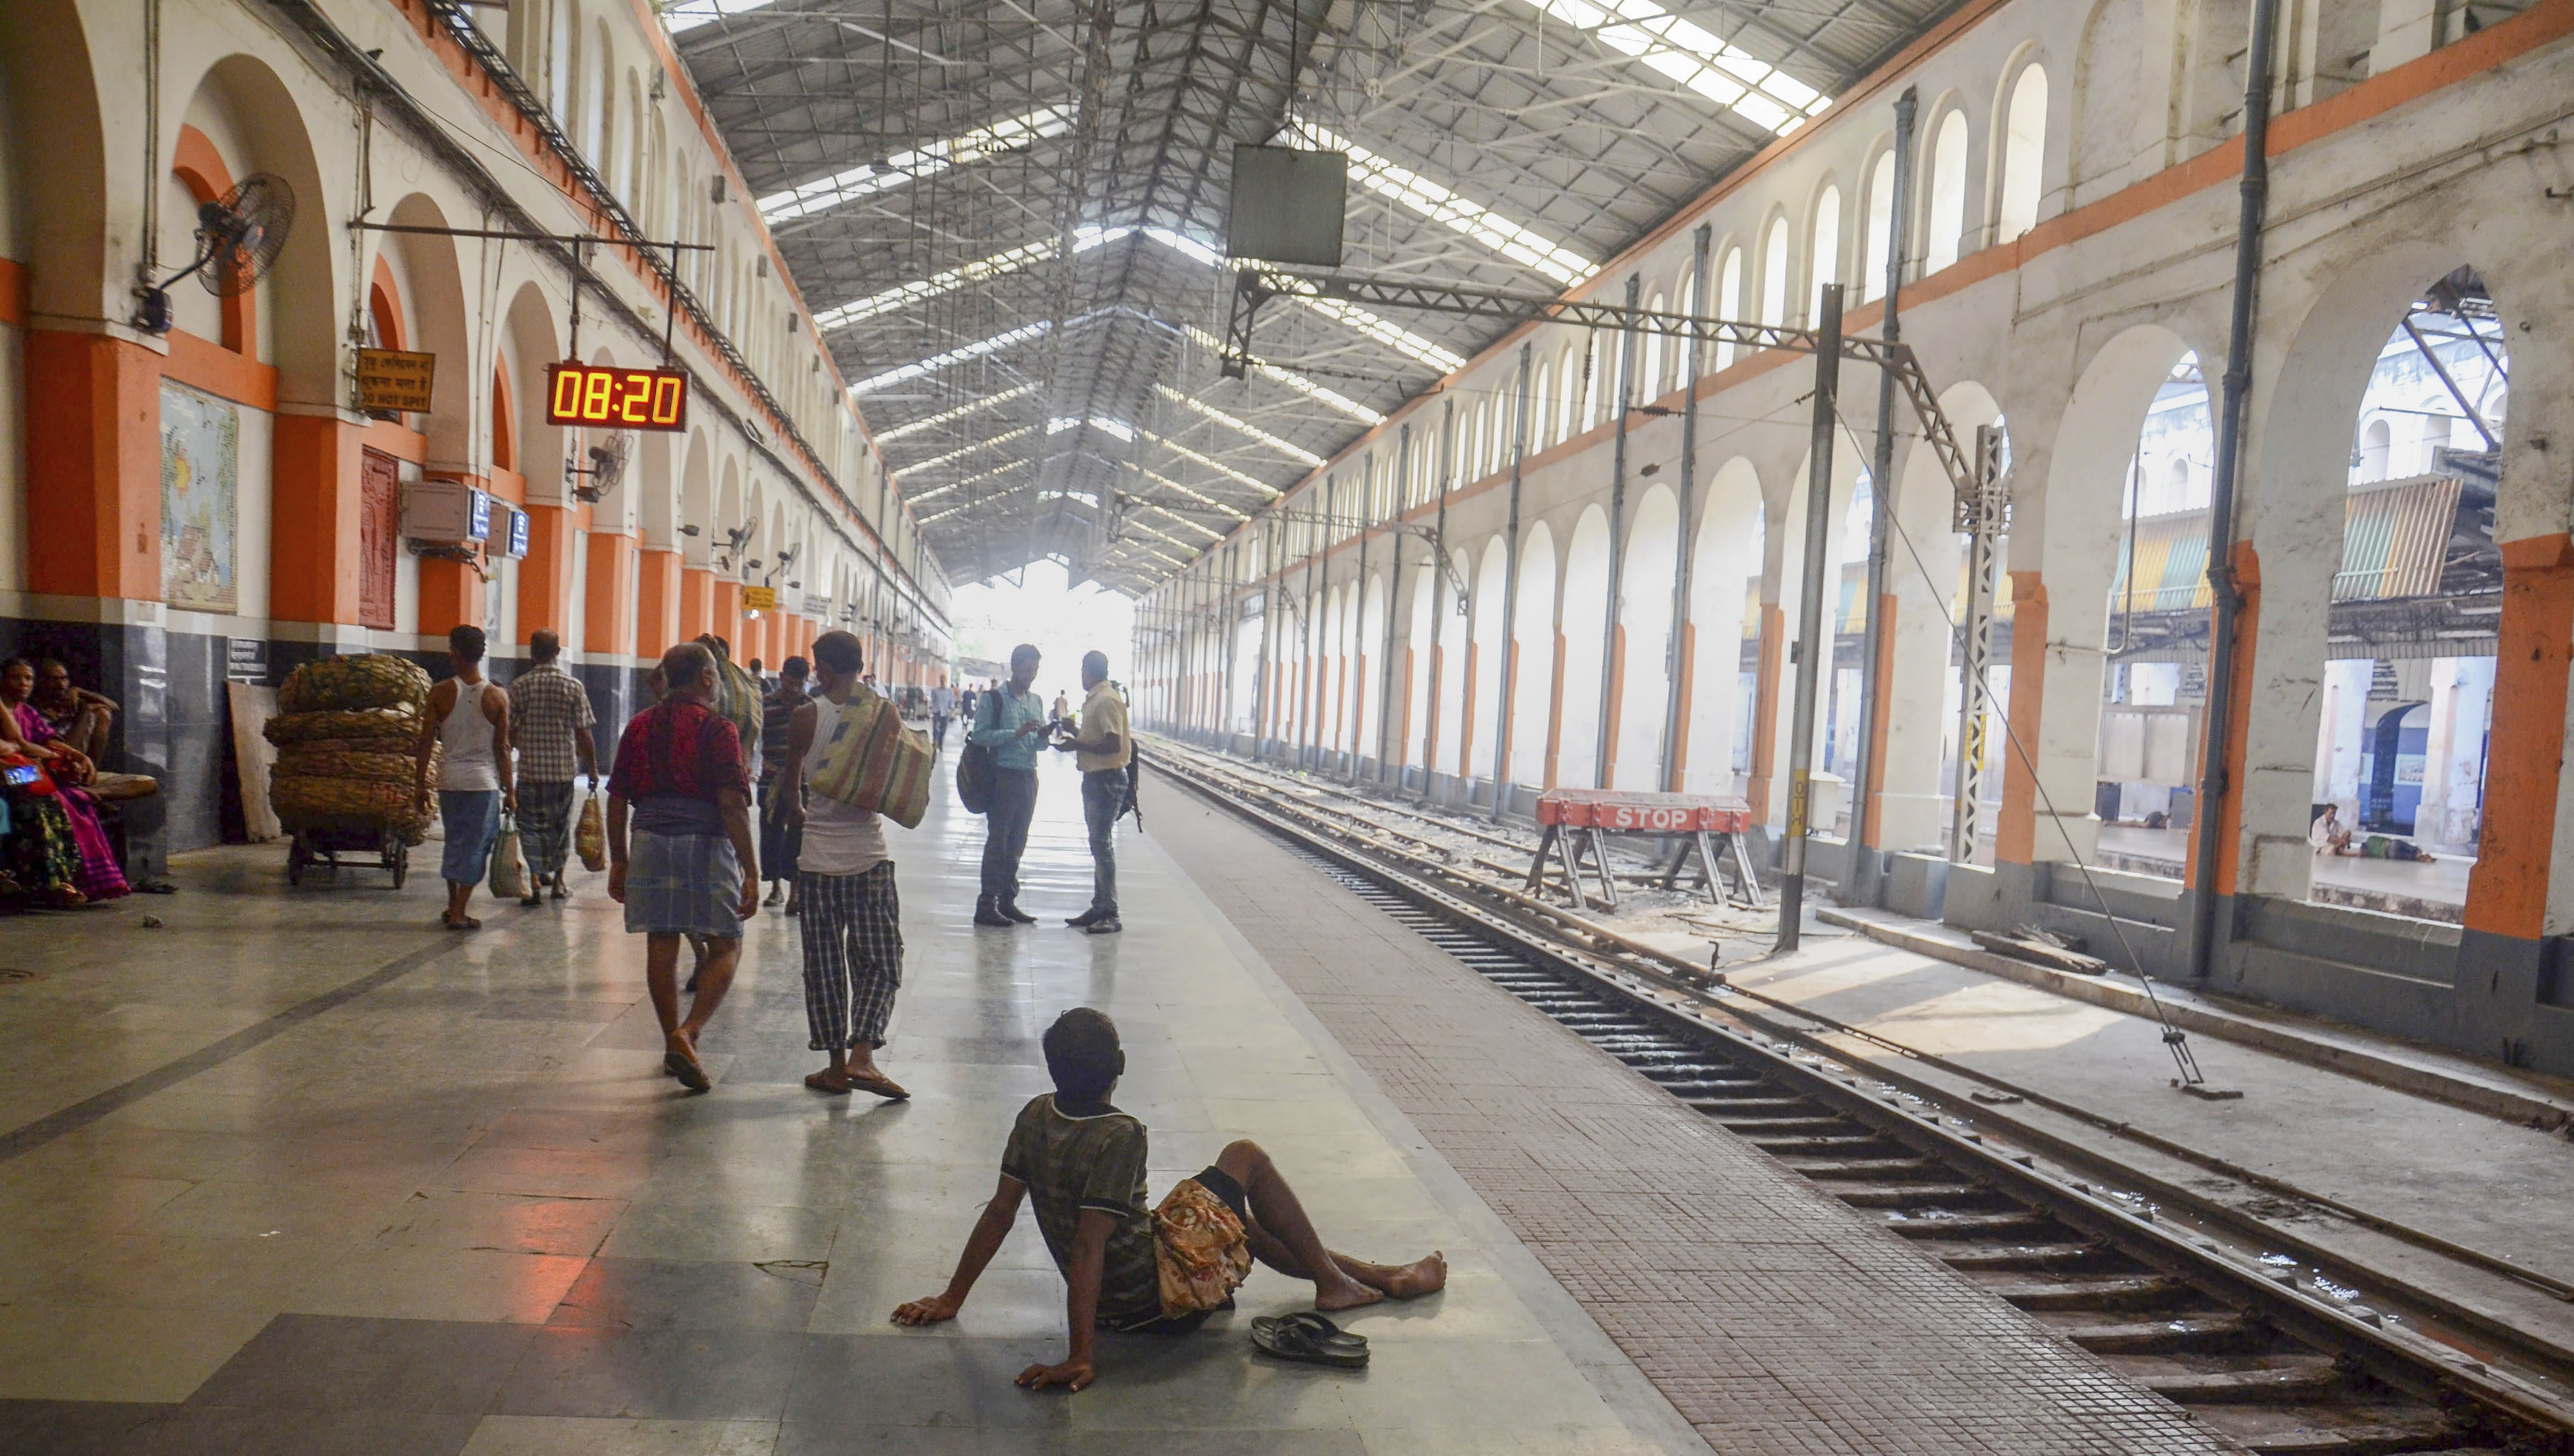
column 1128, row 1270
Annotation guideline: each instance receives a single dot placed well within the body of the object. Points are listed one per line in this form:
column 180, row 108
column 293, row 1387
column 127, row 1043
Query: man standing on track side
column 1100, row 750
column 1007, row 725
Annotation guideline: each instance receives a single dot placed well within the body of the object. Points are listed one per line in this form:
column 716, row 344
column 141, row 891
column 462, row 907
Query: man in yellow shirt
column 1101, row 749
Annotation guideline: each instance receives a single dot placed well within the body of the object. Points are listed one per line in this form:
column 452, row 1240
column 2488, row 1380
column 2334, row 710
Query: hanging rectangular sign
column 759, row 598
column 393, row 379
column 607, row 396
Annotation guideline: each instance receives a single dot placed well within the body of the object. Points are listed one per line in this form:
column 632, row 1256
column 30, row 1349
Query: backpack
column 974, row 764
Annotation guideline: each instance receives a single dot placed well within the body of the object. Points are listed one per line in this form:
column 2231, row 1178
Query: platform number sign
column 603, row 395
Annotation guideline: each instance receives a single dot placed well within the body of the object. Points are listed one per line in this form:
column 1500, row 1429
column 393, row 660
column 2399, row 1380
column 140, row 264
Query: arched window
column 1775, row 268
column 599, row 125
column 1947, row 192
column 1729, row 299
column 2024, row 155
column 505, row 433
column 2377, row 443
column 1569, row 408
column 1657, row 349
column 1827, row 251
column 1539, row 385
column 1881, row 227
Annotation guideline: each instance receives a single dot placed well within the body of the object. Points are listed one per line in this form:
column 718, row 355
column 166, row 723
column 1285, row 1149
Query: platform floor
column 296, row 1171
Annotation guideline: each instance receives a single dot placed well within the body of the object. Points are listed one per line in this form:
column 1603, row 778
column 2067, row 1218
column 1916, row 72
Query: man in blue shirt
column 1009, row 723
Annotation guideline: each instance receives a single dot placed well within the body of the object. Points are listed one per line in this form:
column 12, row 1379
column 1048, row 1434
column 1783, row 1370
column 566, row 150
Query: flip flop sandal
column 684, row 1064
column 1322, row 1329
column 821, row 1082
column 1301, row 1344
column 884, row 1087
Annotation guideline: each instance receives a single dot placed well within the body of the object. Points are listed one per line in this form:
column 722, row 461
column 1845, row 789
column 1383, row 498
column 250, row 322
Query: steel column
column 1682, row 581
column 1510, row 597
column 1813, row 648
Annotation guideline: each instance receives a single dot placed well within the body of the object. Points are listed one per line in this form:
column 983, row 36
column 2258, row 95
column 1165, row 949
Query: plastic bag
column 590, row 836
column 509, row 872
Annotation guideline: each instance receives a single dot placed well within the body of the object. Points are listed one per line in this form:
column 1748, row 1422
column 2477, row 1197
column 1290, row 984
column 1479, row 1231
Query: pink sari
column 100, row 876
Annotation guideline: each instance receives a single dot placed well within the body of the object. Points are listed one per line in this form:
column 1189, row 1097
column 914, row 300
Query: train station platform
column 293, row 1171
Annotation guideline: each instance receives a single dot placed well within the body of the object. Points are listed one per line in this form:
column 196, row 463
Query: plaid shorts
column 851, row 926
column 682, row 884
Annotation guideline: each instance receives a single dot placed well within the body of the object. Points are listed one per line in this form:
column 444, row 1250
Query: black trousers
column 1005, row 830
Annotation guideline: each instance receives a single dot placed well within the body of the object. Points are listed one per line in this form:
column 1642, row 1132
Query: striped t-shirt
column 1095, row 1161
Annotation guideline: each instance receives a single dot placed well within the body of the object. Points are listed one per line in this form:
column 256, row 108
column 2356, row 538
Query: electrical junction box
column 446, row 512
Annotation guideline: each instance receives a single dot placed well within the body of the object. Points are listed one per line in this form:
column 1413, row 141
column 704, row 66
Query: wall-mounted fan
column 606, row 465
column 239, row 236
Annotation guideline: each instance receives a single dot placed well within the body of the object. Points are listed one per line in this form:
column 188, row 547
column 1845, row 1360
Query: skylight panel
column 1208, row 501
column 951, row 359
column 920, row 290
column 841, row 188
column 1386, row 332
column 963, row 450
column 1201, row 527
column 1694, row 57
column 1446, row 207
column 688, row 15
column 1221, row 468
column 1243, row 426
column 1295, row 381
column 950, row 417
column 1116, row 429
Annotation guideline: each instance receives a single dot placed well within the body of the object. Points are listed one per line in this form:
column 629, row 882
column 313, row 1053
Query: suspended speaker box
column 1287, row 205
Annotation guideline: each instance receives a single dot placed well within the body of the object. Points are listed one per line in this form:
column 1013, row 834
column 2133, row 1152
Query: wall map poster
column 200, row 472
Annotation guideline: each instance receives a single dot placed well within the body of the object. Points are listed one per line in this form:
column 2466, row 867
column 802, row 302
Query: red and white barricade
column 1577, row 822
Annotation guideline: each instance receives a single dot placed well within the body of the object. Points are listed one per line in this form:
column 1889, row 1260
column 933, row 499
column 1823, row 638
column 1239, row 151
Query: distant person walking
column 852, row 922
column 1007, row 726
column 942, row 706
column 468, row 719
column 550, row 725
column 1100, row 750
column 776, row 837
column 692, row 869
column 1062, row 707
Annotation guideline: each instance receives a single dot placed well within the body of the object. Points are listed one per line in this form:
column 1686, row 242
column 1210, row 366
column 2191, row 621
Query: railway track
column 2253, row 1343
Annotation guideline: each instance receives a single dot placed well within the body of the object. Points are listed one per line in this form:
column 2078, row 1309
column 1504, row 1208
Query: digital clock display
column 615, row 399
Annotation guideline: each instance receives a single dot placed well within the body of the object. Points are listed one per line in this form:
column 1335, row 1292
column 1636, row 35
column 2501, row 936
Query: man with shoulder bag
column 1007, row 727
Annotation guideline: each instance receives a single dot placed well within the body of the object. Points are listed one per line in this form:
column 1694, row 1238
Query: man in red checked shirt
column 694, row 870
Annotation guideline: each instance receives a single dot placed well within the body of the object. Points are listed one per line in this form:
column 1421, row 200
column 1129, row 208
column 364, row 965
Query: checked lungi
column 544, row 827
column 852, row 929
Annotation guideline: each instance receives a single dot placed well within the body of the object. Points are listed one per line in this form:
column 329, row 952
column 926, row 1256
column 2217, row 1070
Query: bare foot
column 1421, row 1277
column 1351, row 1294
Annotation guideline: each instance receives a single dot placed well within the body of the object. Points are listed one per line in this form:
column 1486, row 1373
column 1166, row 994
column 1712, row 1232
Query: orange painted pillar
column 1555, row 714
column 2015, row 832
column 725, row 621
column 697, row 603
column 1764, row 709
column 656, row 602
column 313, row 522
column 1617, row 705
column 2238, row 731
column 93, row 466
column 545, row 577
column 1466, row 725
column 609, row 599
column 2525, row 758
column 450, row 596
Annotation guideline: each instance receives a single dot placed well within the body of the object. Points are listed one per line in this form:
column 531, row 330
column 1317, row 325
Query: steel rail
column 1603, row 953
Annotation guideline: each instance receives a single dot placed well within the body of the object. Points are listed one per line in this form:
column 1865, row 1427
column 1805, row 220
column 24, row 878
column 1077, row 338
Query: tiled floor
column 296, row 1171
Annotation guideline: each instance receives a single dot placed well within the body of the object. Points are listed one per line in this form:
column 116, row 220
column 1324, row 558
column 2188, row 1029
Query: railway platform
column 293, row 1172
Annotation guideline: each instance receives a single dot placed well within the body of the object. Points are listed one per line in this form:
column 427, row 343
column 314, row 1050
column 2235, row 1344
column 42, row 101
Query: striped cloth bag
column 872, row 762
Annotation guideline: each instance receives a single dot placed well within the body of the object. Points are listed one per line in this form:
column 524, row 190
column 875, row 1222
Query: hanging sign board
column 615, row 399
column 759, row 598
column 394, row 379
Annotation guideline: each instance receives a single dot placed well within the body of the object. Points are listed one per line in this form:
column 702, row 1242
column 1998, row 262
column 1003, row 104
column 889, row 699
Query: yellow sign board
column 393, row 378
column 759, row 598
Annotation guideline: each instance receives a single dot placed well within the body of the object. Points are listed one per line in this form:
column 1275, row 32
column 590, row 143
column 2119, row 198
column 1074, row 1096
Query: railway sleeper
column 2215, row 1333
column 1914, row 1195
column 1968, row 1225
column 2338, row 1429
column 1825, row 1145
column 1723, row 1108
column 2300, row 1377
column 1751, row 1126
column 1865, row 1169
column 2023, row 1257
column 2095, row 1292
